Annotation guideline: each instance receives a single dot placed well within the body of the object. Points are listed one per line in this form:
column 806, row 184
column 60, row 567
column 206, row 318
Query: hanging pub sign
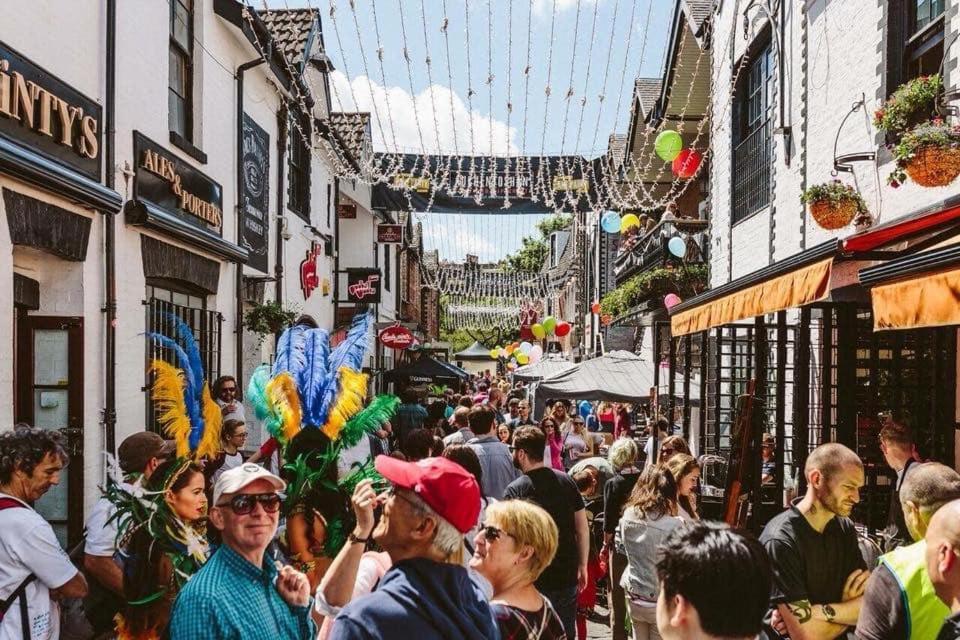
column 397, row 337
column 255, row 172
column 44, row 114
column 390, row 234
column 347, row 211
column 309, row 279
column 363, row 286
column 175, row 185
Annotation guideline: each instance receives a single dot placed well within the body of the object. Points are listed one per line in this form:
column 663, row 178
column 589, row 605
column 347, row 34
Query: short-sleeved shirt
column 517, row 624
column 496, row 462
column 615, row 494
column 883, row 615
column 28, row 545
column 101, row 526
column 409, row 417
column 808, row 565
column 557, row 493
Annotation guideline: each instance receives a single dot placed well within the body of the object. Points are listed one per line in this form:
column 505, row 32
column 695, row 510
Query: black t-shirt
column 557, row 493
column 808, row 565
column 615, row 494
column 883, row 615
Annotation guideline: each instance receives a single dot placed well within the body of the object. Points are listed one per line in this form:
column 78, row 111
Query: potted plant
column 911, row 104
column 929, row 155
column 833, row 204
column 268, row 318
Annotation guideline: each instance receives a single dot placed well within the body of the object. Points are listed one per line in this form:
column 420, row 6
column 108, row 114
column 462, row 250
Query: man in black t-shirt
column 819, row 573
column 556, row 492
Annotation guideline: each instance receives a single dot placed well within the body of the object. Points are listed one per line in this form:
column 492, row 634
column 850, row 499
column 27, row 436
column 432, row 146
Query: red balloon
column 685, row 165
column 595, row 307
column 562, row 329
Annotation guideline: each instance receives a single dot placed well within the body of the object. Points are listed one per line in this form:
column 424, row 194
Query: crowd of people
column 477, row 520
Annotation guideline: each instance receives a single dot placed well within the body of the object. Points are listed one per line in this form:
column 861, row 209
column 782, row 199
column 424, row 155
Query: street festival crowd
column 467, row 517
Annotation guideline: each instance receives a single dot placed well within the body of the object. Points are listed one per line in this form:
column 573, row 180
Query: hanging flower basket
column 911, row 104
column 929, row 155
column 833, row 205
column 934, row 166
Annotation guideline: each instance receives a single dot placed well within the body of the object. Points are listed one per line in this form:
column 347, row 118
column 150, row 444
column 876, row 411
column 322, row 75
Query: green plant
column 935, row 133
column 533, row 250
column 834, row 192
column 686, row 280
column 912, row 103
column 268, row 318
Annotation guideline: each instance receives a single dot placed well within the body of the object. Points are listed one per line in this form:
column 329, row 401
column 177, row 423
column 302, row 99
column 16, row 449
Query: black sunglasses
column 245, row 502
column 491, row 533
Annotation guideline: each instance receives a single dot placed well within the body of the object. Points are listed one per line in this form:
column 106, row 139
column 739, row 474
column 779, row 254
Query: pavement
column 599, row 625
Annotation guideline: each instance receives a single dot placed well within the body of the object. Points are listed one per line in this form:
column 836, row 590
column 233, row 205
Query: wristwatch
column 353, row 538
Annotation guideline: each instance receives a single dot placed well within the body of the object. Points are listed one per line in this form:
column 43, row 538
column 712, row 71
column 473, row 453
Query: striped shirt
column 231, row 598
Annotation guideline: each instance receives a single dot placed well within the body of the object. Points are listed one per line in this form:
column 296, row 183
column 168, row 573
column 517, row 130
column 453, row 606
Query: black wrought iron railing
column 207, row 329
column 751, row 173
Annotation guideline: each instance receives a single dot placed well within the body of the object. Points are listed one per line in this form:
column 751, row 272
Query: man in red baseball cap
column 427, row 593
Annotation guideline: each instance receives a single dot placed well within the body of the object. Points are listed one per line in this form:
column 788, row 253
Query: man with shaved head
column 943, row 564
column 819, row 573
column 898, row 603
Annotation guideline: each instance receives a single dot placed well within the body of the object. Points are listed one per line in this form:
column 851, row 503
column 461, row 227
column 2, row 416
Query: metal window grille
column 207, row 329
column 298, row 192
column 752, row 142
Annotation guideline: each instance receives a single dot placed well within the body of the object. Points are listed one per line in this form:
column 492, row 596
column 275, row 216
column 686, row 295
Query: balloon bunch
column 613, row 222
column 518, row 354
column 550, row 326
column 685, row 162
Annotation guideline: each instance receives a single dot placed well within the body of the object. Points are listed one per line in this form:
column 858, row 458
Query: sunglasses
column 244, row 503
column 492, row 533
column 230, row 389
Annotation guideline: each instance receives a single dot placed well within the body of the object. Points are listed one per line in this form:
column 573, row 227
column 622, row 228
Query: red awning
column 927, row 219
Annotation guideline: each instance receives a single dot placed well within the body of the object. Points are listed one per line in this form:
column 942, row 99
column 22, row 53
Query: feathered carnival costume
column 162, row 551
column 311, row 401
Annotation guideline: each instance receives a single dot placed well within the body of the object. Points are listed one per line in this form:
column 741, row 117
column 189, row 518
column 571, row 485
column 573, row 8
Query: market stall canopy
column 546, row 368
column 427, row 369
column 476, row 351
column 618, row 376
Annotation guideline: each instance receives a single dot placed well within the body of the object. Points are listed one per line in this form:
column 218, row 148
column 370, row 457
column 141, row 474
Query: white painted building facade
column 53, row 218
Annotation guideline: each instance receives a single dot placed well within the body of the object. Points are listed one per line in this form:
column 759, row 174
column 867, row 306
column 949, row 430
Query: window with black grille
column 180, row 85
column 915, row 33
column 298, row 188
column 162, row 304
column 751, row 135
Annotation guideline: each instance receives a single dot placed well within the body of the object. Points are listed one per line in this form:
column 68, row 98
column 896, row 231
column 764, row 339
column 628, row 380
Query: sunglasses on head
column 244, row 503
column 492, row 533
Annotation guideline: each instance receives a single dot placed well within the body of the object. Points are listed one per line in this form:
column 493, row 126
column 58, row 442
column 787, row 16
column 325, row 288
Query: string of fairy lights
column 636, row 182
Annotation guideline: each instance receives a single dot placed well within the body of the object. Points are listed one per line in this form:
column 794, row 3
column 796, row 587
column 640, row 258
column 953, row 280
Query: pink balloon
column 671, row 300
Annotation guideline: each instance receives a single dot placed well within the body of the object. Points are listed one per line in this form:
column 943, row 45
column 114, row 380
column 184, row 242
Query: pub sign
column 363, row 286
column 390, row 234
column 255, row 168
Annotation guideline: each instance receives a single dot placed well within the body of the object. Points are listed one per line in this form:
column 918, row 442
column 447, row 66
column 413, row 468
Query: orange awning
column 929, row 300
column 792, row 289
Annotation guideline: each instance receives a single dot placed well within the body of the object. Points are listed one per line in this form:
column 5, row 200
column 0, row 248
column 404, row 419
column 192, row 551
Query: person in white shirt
column 463, row 434
column 35, row 571
column 138, row 455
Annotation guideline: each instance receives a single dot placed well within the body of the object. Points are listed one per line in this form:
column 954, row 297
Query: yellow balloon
column 523, row 358
column 628, row 222
column 494, row 353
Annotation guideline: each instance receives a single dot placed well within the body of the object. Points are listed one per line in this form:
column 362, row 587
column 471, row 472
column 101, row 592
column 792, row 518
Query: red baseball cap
column 445, row 486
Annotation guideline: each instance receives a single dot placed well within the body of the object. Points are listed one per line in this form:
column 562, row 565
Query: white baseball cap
column 237, row 478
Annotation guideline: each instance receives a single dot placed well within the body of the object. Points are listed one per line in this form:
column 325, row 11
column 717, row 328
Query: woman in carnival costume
column 311, row 401
column 162, row 525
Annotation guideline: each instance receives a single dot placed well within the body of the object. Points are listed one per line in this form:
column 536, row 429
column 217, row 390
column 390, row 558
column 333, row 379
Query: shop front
column 55, row 211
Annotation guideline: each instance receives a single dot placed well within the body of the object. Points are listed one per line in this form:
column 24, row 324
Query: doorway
column 49, row 395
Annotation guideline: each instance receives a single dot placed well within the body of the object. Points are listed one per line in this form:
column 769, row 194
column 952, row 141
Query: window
column 164, row 299
column 386, row 267
column 180, row 86
column 298, row 191
column 915, row 32
column 751, row 136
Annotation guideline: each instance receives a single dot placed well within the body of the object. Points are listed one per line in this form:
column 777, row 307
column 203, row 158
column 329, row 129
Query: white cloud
column 450, row 126
column 455, row 242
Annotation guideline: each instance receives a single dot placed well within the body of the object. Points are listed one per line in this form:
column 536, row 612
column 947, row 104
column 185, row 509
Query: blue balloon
column 584, row 409
column 677, row 246
column 610, row 222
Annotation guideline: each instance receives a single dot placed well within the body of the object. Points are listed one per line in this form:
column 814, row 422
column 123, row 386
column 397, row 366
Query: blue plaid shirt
column 229, row 598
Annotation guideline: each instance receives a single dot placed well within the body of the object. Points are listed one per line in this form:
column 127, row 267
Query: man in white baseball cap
column 227, row 598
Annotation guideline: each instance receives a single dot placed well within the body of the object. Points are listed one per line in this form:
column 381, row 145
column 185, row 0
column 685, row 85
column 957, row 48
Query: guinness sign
column 175, row 185
column 47, row 115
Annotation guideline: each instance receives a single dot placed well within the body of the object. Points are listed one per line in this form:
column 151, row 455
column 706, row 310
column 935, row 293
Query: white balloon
column 525, row 347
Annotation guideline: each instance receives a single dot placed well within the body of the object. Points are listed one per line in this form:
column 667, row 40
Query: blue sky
column 497, row 47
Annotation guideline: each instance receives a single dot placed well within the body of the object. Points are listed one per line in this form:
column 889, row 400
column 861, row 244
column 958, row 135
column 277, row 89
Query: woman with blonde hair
column 649, row 517
column 671, row 446
column 578, row 443
column 686, row 473
column 516, row 542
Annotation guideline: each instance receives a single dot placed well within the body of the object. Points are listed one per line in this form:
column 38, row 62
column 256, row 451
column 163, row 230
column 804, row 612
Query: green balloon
column 549, row 324
column 668, row 145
